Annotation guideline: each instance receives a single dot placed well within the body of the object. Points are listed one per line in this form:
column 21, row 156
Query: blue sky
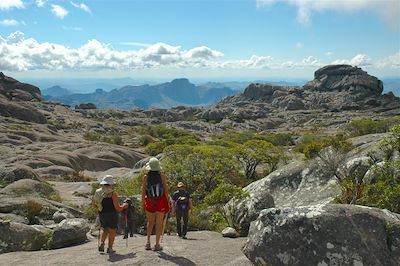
column 227, row 39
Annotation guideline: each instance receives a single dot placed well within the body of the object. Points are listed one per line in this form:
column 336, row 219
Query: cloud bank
column 18, row 53
column 10, row 4
column 387, row 10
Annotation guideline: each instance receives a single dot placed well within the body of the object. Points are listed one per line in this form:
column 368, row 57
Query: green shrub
column 155, row 148
column 90, row 213
column 219, row 198
column 369, row 126
column 384, row 190
column 146, row 139
column 303, row 141
column 113, row 138
column 127, row 186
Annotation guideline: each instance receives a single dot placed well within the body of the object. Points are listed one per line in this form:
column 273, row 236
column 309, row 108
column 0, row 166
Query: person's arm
column 116, row 203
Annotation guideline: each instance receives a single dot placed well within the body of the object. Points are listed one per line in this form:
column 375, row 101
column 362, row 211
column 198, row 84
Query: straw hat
column 180, row 184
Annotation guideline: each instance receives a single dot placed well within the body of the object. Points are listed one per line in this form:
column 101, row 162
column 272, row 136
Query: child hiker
column 129, row 218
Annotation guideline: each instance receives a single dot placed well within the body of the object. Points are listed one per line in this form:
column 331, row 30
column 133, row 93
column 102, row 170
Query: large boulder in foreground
column 18, row 236
column 325, row 235
column 248, row 209
column 70, row 232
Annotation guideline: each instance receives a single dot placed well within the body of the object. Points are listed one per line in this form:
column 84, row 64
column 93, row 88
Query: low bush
column 369, row 126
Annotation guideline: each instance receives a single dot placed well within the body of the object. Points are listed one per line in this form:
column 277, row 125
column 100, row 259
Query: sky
column 209, row 39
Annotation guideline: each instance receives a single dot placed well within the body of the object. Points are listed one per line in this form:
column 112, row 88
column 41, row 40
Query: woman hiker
column 106, row 202
column 155, row 200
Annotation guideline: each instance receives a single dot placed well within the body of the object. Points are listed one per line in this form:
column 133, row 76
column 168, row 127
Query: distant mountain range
column 165, row 95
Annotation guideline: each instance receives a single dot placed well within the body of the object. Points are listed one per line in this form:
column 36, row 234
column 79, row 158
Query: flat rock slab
column 201, row 248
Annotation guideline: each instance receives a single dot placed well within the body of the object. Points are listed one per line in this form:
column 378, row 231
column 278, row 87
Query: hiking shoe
column 147, row 247
column 184, row 237
column 125, row 237
column 101, row 247
column 157, row 248
column 110, row 250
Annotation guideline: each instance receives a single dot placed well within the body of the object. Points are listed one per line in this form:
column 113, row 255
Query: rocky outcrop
column 69, row 232
column 331, row 98
column 248, row 209
column 325, row 235
column 17, row 236
column 86, row 106
column 17, row 172
column 345, row 78
column 17, row 110
column 14, row 90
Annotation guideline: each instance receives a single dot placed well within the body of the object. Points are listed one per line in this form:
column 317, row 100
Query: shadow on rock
column 118, row 257
column 177, row 260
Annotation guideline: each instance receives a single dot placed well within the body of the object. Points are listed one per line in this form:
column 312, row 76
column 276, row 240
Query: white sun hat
column 153, row 164
column 107, row 180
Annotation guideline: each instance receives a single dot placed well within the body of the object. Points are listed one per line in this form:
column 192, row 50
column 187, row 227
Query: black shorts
column 108, row 219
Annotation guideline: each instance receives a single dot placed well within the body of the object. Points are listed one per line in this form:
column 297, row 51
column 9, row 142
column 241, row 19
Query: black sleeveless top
column 108, row 205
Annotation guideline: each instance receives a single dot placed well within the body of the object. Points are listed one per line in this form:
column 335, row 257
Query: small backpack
column 182, row 203
column 154, row 185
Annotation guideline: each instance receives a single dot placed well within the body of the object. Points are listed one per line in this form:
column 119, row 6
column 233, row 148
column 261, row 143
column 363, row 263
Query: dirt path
column 201, row 248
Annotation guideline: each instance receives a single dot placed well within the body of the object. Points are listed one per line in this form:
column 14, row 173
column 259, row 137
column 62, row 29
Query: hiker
column 182, row 206
column 106, row 202
column 129, row 218
column 155, row 200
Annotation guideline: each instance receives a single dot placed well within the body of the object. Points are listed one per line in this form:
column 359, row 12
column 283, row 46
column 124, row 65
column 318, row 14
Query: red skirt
column 156, row 205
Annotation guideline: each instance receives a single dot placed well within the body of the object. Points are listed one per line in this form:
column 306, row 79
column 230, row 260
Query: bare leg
column 159, row 226
column 104, row 235
column 111, row 237
column 151, row 218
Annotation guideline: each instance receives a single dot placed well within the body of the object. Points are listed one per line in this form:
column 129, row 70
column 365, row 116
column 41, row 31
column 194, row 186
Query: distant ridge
column 165, row 95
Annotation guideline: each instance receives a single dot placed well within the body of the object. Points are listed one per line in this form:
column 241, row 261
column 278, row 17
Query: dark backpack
column 182, row 203
column 154, row 187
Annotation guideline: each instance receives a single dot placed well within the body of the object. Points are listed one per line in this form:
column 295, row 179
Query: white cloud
column 299, row 45
column 9, row 22
column 9, row 4
column 135, row 44
column 358, row 60
column 202, row 52
column 392, row 61
column 82, row 6
column 72, row 28
column 25, row 54
column 40, row 3
column 388, row 10
column 329, row 53
column 59, row 11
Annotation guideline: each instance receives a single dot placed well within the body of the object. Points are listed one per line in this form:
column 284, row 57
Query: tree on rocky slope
column 331, row 152
column 252, row 153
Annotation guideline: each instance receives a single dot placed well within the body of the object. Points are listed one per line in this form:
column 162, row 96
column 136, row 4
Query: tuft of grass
column 78, row 176
column 32, row 209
